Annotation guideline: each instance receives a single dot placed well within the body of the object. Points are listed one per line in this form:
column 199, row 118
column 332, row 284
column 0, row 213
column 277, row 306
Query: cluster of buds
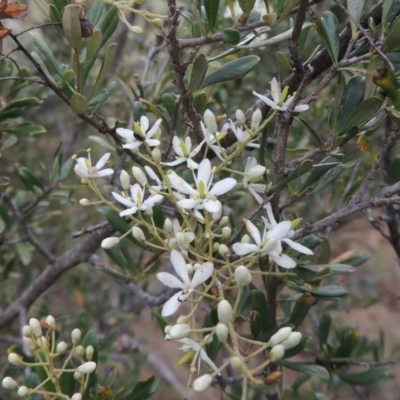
column 39, row 338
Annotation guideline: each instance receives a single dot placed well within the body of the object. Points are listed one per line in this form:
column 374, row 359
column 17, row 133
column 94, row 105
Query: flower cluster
column 39, row 339
column 208, row 263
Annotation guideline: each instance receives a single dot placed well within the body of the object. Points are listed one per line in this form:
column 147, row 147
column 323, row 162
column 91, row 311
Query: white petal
column 280, row 230
column 155, row 199
column 179, row 265
column 298, row 247
column 270, row 214
column 100, row 164
column 266, row 100
column 275, row 90
column 153, row 142
column 180, row 185
column 153, row 130
column 105, row 172
column 208, row 360
column 172, row 305
column 144, row 123
column 192, row 164
column 123, row 200
column 241, row 249
column 125, row 133
column 223, row 186
column 170, row 280
column 129, row 211
column 173, row 163
column 204, row 171
column 212, row 206
column 199, row 216
column 301, row 108
column 134, row 145
column 254, row 232
column 202, row 274
column 283, row 260
column 188, row 203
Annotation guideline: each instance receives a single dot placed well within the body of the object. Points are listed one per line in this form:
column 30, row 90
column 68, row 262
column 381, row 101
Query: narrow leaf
column 72, row 26
column 212, row 8
column 314, row 370
column 199, row 70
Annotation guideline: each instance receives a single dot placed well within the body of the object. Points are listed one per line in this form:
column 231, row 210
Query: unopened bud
column 221, row 330
column 292, row 341
column 76, row 396
column 139, row 175
column 190, row 268
column 280, row 336
column 15, row 359
column 237, row 363
column 167, row 329
column 23, row 391
column 76, row 336
column 256, row 119
column 110, row 242
column 246, row 238
column 224, row 220
column 137, row 30
column 179, row 331
column 223, row 250
column 87, row 367
column 44, row 342
column 167, row 225
column 296, row 223
column 224, row 312
column 138, row 234
column 36, row 328
column 89, row 352
column 276, row 353
column 61, row 347
column 183, row 240
column 27, row 331
column 157, row 23
column 240, row 117
column 29, row 343
column 241, row 275
column 79, row 351
column 215, row 246
column 226, row 232
column 210, row 121
column 124, row 180
column 51, row 322
column 9, row 383
column 77, row 375
column 202, row 383
column 256, row 171
column 85, row 202
column 156, row 154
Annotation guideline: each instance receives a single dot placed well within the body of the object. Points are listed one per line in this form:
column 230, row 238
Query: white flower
column 141, row 134
column 242, row 135
column 160, row 186
column 136, row 202
column 205, row 194
column 252, row 173
column 187, row 285
column 278, row 103
column 180, row 239
column 85, row 169
column 183, row 150
column 190, row 344
column 271, row 242
column 211, row 134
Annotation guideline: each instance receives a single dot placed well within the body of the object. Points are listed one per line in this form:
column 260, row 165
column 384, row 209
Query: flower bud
column 224, row 312
column 215, row 246
column 179, row 331
column 137, row 30
column 23, row 391
column 296, row 223
column 77, row 375
column 202, row 383
column 109, row 242
column 138, row 234
column 29, row 343
column 241, row 275
column 167, row 329
column 76, row 396
column 139, row 175
column 190, row 268
column 87, row 367
column 240, row 117
column 85, row 202
column 9, row 383
column 51, row 322
column 15, row 359
column 76, row 336
column 183, row 240
column 167, row 225
column 89, row 352
column 257, row 171
column 223, row 250
column 157, row 23
column 210, row 121
column 276, row 353
column 226, row 232
column 256, row 119
column 280, row 336
column 246, row 238
column 156, row 154
column 221, row 330
column 292, row 341
column 27, row 331
column 124, row 180
column 43, row 342
column 224, row 220
column 79, row 351
column 61, row 347
column 36, row 328
column 237, row 363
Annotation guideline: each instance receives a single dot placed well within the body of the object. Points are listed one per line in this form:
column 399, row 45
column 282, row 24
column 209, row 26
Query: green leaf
column 259, row 304
column 79, row 103
column 236, row 69
column 29, row 179
column 317, row 173
column 367, row 377
column 60, row 4
column 42, row 66
column 395, row 175
column 9, row 142
column 105, row 67
column 300, row 170
column 42, row 373
column 355, row 7
column 300, row 310
column 72, row 27
column 23, row 103
column 392, row 42
column 142, row 390
column 324, row 292
column 200, row 102
column 212, row 8
column 199, row 70
column 231, row 36
column 93, row 44
column 168, row 101
column 29, row 129
column 328, row 30
column 330, row 177
column 55, row 16
column 67, row 381
column 314, row 370
column 390, row 11
column 100, row 98
column 247, row 5
column 95, row 12
column 284, row 61
column 323, row 329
